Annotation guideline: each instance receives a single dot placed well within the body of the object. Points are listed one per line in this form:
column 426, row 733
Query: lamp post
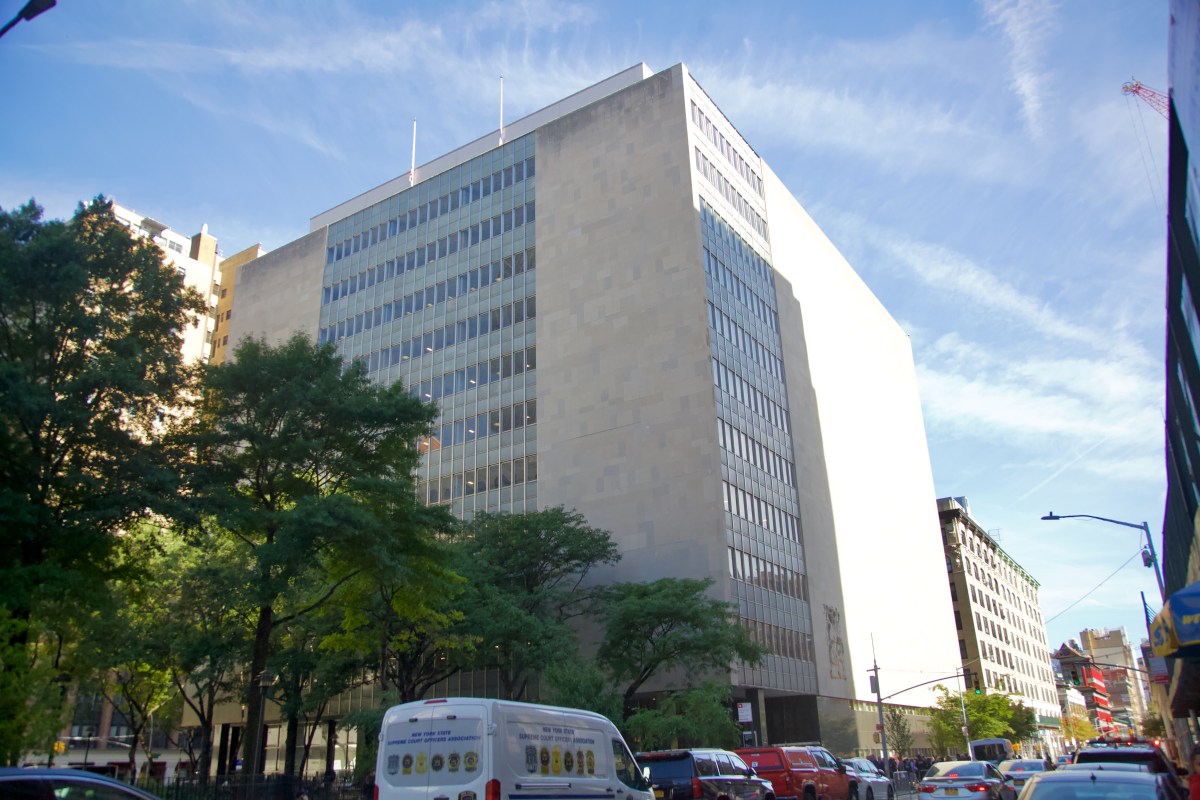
column 87, row 744
column 28, row 12
column 1144, row 528
column 264, row 684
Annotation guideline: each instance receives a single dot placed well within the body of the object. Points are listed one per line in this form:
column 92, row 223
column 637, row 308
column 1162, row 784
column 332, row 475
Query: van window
column 739, row 766
column 626, row 766
column 768, row 759
column 724, row 765
column 706, row 765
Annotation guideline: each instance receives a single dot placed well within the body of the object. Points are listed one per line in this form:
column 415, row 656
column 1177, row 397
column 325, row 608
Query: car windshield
column 1114, row 755
column 1112, row 766
column 956, row 769
column 1026, row 765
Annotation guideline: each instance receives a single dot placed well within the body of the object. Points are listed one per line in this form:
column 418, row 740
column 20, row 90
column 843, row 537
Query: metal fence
column 257, row 787
column 904, row 781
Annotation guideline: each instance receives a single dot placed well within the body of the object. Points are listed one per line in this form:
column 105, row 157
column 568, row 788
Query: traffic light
column 1074, row 677
column 967, row 678
column 975, row 685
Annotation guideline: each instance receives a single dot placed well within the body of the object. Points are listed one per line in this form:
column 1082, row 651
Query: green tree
column 1153, row 727
column 122, row 654
column 34, row 701
column 310, row 673
column 1022, row 724
column 687, row 717
column 1077, row 727
column 988, row 717
column 204, row 583
column 671, row 623
column 899, row 734
column 90, row 370
column 577, row 682
column 308, row 465
column 525, row 579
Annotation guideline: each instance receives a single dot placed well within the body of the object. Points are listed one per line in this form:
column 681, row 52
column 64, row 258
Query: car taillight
column 976, row 787
column 926, row 787
column 697, row 790
column 491, row 791
column 376, row 791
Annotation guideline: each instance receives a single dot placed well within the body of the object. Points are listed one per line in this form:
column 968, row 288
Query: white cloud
column 1026, row 25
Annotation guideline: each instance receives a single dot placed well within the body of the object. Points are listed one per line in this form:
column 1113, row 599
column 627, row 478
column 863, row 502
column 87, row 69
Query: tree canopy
column 90, row 373
column 308, row 466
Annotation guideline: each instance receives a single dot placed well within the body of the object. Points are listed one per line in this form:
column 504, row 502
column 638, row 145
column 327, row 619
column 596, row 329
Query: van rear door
column 436, row 751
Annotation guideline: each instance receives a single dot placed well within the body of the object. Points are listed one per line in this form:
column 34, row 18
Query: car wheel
column 891, row 793
column 854, row 791
column 870, row 795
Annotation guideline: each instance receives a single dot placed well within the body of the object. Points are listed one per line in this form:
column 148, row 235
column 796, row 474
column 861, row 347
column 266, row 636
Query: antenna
column 501, row 112
column 412, row 170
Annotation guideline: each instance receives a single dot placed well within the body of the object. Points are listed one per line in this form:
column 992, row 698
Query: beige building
column 621, row 309
column 1114, row 654
column 197, row 259
column 1001, row 633
column 224, row 291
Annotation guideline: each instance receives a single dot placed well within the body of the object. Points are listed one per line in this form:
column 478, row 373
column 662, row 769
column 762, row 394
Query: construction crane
column 1152, row 97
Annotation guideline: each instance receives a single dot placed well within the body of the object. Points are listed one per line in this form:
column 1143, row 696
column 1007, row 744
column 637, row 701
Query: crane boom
column 1153, row 98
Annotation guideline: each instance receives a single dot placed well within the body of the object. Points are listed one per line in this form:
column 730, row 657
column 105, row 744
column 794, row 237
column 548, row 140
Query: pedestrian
column 1194, row 777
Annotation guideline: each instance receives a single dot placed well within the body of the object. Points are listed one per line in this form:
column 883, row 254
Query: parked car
column 964, row 780
column 1018, row 770
column 1097, row 784
column 48, row 783
column 803, row 772
column 1064, row 759
column 1137, row 752
column 872, row 783
column 1147, row 754
column 703, row 774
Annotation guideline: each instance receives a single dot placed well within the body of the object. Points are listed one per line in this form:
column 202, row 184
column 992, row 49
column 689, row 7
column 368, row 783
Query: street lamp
column 87, row 743
column 28, row 12
column 265, row 680
column 1152, row 560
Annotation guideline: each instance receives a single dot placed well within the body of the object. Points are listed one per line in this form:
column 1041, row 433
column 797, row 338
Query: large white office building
column 622, row 310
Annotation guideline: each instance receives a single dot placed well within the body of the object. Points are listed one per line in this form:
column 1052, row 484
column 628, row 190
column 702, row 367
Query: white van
column 475, row 749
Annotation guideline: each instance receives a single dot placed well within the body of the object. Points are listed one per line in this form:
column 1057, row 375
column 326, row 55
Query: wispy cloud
column 1026, row 25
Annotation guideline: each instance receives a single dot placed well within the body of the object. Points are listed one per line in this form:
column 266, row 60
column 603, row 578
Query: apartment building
column 998, row 617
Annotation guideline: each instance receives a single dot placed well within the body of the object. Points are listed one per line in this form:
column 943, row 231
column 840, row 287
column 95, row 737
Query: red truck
column 803, row 772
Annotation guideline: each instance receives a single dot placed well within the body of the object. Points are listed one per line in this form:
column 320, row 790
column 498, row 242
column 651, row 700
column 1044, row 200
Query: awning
column 1176, row 630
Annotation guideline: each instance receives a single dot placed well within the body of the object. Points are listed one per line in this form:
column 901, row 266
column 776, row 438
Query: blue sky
column 975, row 162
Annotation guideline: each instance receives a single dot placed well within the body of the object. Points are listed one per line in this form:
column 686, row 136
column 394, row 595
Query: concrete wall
column 886, row 541
column 626, row 410
column 280, row 293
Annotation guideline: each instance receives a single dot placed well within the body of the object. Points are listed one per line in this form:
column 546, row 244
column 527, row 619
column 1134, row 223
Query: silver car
column 872, row 784
column 964, row 780
column 1098, row 784
column 1019, row 770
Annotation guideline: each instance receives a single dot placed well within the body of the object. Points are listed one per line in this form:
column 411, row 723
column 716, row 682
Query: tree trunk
column 253, row 740
column 289, row 758
column 206, row 750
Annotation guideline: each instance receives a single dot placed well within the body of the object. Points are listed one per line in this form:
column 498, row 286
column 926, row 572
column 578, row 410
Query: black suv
column 703, row 774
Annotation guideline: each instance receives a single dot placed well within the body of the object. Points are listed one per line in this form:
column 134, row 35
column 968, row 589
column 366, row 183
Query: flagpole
column 412, row 170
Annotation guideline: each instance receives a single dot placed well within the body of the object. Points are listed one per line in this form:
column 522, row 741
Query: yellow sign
column 60, row 747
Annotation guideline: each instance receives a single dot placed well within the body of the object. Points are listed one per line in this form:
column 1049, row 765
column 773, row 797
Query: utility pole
column 879, row 707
